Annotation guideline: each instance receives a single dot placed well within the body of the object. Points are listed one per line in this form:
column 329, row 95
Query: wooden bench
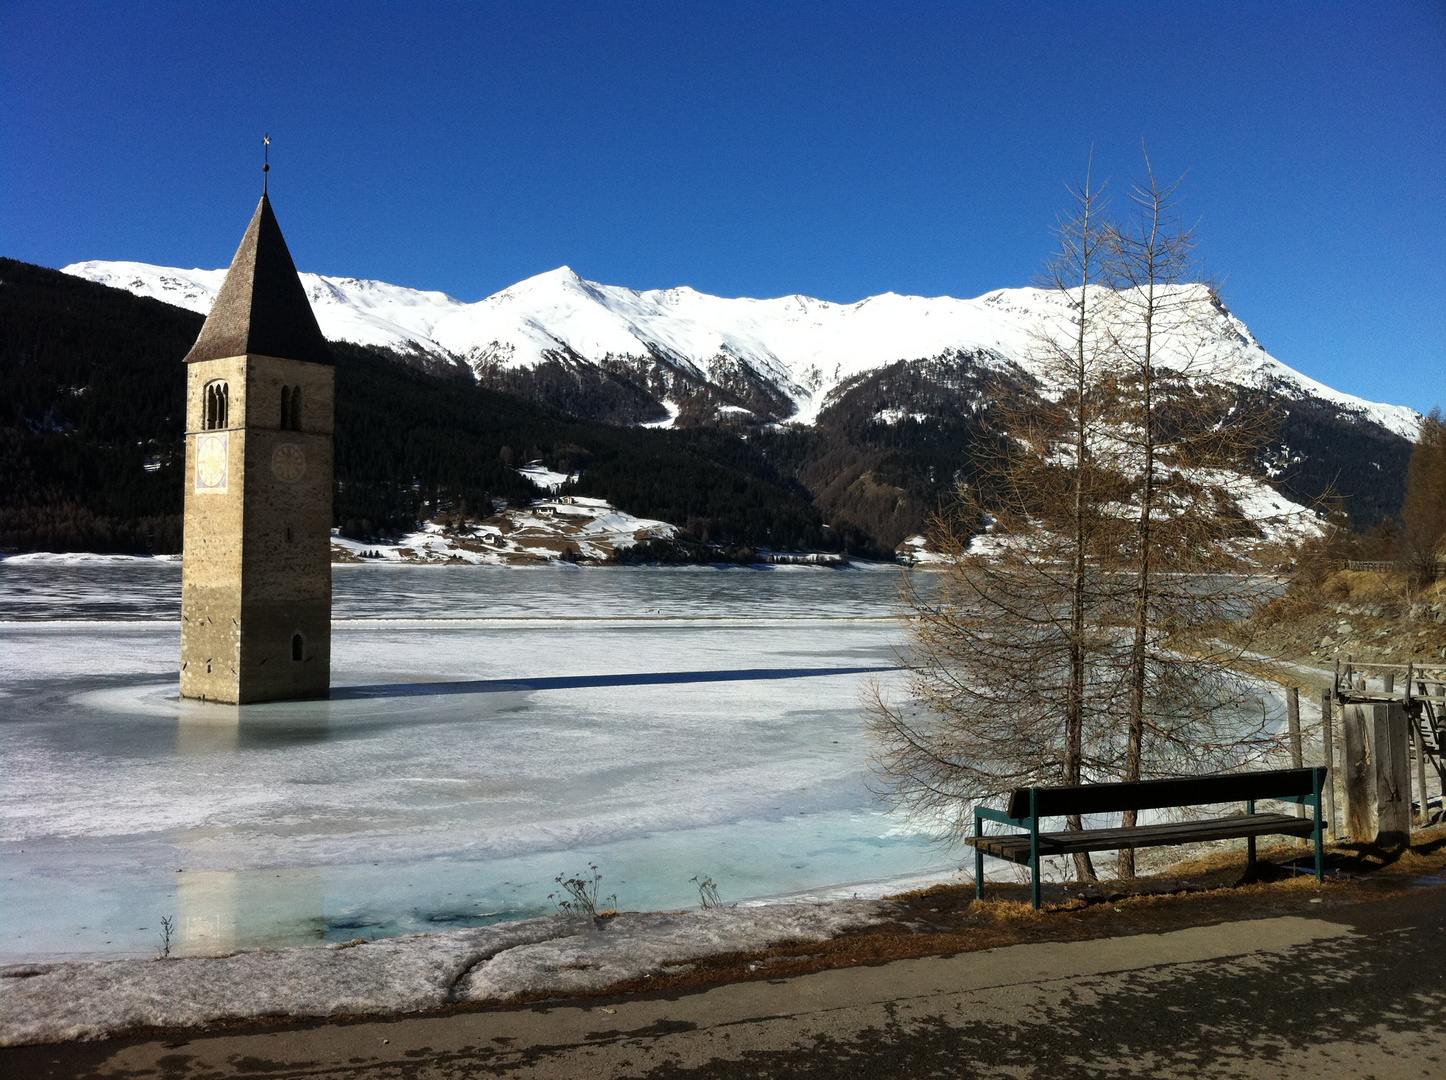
column 1029, row 806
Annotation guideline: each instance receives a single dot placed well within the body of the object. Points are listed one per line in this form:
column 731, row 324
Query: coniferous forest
column 91, row 450
column 92, row 416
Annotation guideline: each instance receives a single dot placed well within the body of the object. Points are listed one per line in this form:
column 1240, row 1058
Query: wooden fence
column 1385, row 566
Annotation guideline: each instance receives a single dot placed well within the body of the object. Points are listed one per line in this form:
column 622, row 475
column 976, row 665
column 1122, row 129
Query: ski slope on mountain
column 802, row 347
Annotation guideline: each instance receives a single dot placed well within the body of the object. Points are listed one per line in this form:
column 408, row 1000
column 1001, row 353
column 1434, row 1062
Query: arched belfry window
column 216, row 406
column 298, row 647
column 291, row 408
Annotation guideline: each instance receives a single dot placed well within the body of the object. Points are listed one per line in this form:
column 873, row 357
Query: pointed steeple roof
column 262, row 307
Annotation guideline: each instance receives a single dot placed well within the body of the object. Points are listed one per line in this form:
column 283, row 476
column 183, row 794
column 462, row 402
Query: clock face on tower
column 288, row 462
column 211, row 463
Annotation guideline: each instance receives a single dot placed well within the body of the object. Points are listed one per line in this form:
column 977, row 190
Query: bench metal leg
column 978, row 860
column 1317, row 836
column 1250, row 841
column 1034, row 848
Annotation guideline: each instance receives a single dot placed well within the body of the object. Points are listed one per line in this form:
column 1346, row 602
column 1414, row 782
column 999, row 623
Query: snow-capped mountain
column 348, row 309
column 624, row 355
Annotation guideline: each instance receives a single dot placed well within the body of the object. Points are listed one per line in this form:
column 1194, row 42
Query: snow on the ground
column 429, row 544
column 546, row 531
column 545, row 478
column 654, row 942
column 895, row 416
column 1281, row 520
column 554, row 955
column 914, row 551
column 667, row 422
column 79, row 558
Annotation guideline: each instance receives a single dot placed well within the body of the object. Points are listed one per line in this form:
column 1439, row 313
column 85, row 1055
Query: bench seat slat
column 1015, row 846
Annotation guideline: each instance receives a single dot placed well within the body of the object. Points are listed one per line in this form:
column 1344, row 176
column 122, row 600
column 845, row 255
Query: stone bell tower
column 256, row 572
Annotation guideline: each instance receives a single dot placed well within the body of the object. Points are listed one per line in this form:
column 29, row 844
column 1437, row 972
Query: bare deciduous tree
column 1070, row 638
column 1178, row 426
column 1007, row 684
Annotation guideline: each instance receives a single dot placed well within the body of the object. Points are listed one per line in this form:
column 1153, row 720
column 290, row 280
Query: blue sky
column 833, row 149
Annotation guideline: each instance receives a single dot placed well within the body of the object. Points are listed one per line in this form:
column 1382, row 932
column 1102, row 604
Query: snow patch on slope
column 549, row 530
column 347, row 309
column 546, row 478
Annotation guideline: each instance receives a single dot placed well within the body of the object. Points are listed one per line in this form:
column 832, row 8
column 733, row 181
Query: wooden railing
column 1387, row 566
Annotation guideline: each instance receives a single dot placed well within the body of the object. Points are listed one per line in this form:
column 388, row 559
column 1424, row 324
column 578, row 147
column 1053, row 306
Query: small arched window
column 216, row 406
column 298, row 647
column 291, row 408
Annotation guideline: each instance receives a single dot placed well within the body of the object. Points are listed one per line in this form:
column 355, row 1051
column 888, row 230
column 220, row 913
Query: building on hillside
column 256, row 569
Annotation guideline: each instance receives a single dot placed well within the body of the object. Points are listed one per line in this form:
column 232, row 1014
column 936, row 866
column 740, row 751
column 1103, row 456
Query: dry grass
column 1365, row 586
column 1005, row 911
column 1304, row 624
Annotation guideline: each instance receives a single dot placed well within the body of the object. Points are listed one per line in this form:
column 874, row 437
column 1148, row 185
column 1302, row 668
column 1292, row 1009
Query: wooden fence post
column 1418, row 724
column 1357, row 775
column 1392, row 771
column 1328, row 752
column 1418, row 748
column 1292, row 715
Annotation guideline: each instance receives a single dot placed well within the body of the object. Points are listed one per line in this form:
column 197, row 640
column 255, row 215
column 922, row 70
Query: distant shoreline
column 88, row 558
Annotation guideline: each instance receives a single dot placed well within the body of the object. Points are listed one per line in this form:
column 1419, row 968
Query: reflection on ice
column 207, row 728
column 220, row 911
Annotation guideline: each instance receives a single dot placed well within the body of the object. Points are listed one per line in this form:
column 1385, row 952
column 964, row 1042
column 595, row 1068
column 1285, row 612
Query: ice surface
column 491, row 728
column 151, row 589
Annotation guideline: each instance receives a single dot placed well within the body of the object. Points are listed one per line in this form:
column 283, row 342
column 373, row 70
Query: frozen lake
column 490, row 729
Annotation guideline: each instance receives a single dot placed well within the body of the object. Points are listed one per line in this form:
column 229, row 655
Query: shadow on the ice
column 576, row 682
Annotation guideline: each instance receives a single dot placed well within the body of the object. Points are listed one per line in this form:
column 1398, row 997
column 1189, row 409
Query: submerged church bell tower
column 256, row 572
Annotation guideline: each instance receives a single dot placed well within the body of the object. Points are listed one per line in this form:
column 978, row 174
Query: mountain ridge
column 661, row 355
column 875, row 445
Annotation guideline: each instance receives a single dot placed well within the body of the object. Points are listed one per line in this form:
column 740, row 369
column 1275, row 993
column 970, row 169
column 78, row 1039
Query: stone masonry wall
column 211, row 563
column 256, row 570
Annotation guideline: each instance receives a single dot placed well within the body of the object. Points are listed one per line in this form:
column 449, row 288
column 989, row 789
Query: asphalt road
column 1356, row 991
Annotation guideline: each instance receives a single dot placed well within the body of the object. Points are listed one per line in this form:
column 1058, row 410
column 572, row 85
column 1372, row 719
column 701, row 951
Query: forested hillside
column 91, row 438
column 91, row 419
column 91, row 411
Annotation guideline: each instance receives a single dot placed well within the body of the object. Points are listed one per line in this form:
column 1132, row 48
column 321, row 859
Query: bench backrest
column 1156, row 794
